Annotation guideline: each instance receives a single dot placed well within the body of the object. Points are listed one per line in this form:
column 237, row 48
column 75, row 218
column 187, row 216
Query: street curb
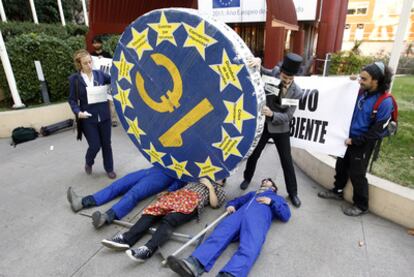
column 386, row 199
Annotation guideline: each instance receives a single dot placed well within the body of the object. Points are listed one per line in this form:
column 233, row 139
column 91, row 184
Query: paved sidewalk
column 41, row 236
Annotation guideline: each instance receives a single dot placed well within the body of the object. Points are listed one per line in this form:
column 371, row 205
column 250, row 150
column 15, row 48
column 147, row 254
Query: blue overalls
column 135, row 187
column 249, row 224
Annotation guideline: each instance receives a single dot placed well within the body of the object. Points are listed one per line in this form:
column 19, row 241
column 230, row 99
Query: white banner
column 322, row 119
column 103, row 64
column 236, row 11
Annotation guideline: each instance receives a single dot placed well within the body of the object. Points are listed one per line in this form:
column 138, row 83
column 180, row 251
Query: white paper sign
column 290, row 102
column 271, row 90
column 103, row 64
column 270, row 80
column 97, row 94
column 323, row 116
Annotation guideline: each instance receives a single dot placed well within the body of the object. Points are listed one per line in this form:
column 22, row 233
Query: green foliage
column 55, row 58
column 347, row 63
column 396, row 160
column 47, row 10
column 110, row 42
column 53, row 45
column 12, row 29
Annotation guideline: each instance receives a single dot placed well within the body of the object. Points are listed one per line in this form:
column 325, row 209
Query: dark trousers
column 98, row 135
column 282, row 143
column 354, row 165
column 167, row 224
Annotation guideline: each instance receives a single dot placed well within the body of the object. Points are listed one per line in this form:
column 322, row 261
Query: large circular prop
column 185, row 95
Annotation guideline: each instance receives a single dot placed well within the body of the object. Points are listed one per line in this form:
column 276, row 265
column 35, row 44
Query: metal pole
column 62, row 16
column 32, row 6
column 9, row 74
column 2, row 13
column 151, row 230
column 326, row 64
column 196, row 237
column 43, row 83
column 399, row 37
column 85, row 13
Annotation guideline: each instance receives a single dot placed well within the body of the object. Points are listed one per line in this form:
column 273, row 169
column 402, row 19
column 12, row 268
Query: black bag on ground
column 22, row 134
column 53, row 128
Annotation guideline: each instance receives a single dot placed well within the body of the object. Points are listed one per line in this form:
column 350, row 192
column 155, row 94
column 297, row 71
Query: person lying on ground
column 170, row 210
column 249, row 221
column 134, row 187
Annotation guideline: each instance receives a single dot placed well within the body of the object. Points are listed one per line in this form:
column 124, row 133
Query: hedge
column 12, row 29
column 55, row 55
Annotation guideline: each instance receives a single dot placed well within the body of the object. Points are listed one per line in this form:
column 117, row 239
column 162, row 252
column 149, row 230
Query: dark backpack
column 22, row 134
column 393, row 124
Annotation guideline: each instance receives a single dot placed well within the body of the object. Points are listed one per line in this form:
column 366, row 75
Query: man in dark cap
column 366, row 129
column 98, row 48
column 281, row 103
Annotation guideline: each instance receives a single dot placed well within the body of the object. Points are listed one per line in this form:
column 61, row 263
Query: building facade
column 374, row 24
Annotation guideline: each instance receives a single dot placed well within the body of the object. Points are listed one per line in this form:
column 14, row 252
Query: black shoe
column 88, row 169
column 181, row 266
column 139, row 254
column 295, row 200
column 116, row 243
column 353, row 211
column 330, row 194
column 244, row 185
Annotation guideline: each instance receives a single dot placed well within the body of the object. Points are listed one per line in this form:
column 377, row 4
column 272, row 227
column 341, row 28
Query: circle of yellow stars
column 198, row 39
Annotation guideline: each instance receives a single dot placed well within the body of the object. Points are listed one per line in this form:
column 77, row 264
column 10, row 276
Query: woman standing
column 88, row 102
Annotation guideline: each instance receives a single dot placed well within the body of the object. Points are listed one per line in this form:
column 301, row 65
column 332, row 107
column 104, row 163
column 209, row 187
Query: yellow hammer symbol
column 172, row 137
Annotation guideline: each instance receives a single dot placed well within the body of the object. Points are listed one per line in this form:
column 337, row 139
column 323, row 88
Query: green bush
column 12, row 29
column 110, row 42
column 55, row 56
column 53, row 45
column 347, row 63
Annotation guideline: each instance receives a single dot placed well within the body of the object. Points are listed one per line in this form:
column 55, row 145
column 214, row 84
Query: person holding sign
column 282, row 98
column 88, row 99
column 250, row 218
column 366, row 128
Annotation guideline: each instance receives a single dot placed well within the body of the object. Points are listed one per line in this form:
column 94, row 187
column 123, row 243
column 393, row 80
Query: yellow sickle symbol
column 171, row 101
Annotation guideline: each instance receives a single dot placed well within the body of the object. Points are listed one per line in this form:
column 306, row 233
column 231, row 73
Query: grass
column 396, row 161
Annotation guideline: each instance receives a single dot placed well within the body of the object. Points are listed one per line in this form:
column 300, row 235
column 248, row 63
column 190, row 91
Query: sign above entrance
column 237, row 11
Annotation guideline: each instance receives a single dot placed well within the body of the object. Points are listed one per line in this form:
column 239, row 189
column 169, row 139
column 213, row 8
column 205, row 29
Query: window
column 360, row 8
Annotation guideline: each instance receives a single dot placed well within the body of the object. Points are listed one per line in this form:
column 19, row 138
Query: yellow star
column 198, row 38
column 124, row 68
column 228, row 145
column 123, row 98
column 139, row 42
column 228, row 72
column 164, row 30
column 134, row 129
column 155, row 156
column 179, row 167
column 236, row 114
column 208, row 169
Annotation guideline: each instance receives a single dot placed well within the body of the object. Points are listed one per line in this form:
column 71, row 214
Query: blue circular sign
column 184, row 93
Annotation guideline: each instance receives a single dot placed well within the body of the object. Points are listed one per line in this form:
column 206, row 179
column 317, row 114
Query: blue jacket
column 99, row 110
column 279, row 209
column 364, row 128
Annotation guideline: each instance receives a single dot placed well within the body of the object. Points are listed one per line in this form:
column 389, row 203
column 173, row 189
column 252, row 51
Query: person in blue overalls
column 134, row 187
column 375, row 80
column 94, row 119
column 249, row 221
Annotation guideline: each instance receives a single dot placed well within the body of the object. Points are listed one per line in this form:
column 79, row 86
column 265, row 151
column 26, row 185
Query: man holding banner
column 366, row 128
column 281, row 102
